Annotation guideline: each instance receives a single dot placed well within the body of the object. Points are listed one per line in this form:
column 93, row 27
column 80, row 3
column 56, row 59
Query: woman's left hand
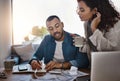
column 95, row 22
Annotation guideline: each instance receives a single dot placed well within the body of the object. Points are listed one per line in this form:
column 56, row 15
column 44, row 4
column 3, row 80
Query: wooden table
column 27, row 76
column 84, row 78
column 15, row 77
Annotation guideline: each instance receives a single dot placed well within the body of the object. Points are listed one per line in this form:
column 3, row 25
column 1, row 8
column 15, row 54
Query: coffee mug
column 78, row 41
column 8, row 64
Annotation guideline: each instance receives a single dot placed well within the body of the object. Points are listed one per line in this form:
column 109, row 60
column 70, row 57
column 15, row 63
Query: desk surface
column 27, row 76
column 84, row 78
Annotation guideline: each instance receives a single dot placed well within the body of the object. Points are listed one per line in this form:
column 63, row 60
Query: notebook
column 105, row 66
column 25, row 68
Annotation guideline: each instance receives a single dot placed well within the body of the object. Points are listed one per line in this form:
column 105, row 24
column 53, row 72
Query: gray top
column 109, row 41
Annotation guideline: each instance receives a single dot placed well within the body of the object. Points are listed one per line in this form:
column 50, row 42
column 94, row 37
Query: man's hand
column 52, row 65
column 36, row 64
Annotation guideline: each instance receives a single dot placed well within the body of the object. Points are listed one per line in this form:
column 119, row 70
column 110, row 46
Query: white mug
column 78, row 41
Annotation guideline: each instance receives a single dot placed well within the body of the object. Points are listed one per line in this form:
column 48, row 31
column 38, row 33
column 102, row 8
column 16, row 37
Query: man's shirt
column 58, row 56
column 70, row 52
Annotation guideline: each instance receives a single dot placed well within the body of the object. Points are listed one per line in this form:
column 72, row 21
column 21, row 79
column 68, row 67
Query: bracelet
column 62, row 65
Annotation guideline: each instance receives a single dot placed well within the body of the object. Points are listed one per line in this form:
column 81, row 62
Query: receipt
column 73, row 70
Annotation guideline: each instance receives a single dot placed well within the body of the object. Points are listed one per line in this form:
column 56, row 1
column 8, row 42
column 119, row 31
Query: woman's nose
column 77, row 11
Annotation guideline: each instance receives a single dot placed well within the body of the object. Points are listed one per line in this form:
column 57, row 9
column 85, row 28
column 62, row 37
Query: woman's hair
column 109, row 15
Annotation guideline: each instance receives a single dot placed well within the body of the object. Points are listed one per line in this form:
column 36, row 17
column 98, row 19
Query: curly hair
column 109, row 15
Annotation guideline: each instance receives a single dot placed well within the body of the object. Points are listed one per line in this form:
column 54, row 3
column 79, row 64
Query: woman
column 102, row 25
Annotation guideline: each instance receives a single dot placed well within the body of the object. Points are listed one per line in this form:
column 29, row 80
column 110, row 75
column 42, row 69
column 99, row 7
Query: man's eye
column 57, row 25
column 50, row 29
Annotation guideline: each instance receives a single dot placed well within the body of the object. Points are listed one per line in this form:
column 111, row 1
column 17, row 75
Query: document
column 63, row 76
column 25, row 68
column 53, row 75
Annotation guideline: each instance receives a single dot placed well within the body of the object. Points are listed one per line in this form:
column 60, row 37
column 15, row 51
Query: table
column 84, row 78
column 29, row 76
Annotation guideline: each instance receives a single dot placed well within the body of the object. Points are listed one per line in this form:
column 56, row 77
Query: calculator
column 22, row 68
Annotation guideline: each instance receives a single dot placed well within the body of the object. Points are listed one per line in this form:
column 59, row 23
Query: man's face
column 55, row 28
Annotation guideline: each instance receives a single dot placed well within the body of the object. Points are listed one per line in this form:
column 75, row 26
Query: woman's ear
column 94, row 10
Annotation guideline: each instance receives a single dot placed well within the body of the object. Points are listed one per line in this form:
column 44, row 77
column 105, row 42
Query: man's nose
column 55, row 30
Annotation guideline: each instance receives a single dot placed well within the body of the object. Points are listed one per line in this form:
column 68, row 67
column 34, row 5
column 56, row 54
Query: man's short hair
column 52, row 17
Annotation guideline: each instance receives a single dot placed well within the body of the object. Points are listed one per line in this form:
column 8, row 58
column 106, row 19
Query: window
column 29, row 13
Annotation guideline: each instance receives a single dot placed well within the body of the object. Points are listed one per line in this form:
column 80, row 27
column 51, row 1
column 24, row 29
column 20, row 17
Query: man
column 57, row 49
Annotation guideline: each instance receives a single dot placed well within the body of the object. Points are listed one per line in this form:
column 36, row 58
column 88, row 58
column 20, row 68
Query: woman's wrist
column 93, row 29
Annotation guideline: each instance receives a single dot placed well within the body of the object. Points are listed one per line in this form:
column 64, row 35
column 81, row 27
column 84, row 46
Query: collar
column 66, row 37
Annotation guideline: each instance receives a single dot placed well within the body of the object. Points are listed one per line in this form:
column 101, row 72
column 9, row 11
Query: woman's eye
column 82, row 10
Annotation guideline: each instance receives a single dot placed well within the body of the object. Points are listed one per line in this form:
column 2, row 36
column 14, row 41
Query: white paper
column 64, row 76
column 73, row 70
column 29, row 69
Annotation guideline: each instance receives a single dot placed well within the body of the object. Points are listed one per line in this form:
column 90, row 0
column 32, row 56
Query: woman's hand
column 95, row 22
column 78, row 41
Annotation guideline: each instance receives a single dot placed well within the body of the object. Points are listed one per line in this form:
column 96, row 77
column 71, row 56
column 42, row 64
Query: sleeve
column 40, row 51
column 81, row 60
column 85, row 48
column 104, row 43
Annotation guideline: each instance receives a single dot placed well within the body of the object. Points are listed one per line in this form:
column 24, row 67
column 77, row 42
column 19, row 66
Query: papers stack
column 28, row 70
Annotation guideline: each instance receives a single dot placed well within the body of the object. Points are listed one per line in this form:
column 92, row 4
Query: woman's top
column 101, row 41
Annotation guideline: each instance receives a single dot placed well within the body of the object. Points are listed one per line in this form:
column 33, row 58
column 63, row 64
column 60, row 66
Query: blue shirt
column 70, row 52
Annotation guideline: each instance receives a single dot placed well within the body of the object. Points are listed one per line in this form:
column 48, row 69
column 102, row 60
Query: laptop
column 105, row 66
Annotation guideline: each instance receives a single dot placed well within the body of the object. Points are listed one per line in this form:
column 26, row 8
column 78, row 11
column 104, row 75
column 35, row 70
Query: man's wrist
column 62, row 65
column 65, row 65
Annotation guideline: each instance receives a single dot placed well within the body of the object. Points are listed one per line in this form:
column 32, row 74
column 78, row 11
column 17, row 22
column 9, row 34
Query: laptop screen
column 105, row 66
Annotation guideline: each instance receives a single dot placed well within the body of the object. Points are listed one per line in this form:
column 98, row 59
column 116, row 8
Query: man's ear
column 62, row 24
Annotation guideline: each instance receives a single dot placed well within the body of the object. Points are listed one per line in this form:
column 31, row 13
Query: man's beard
column 61, row 36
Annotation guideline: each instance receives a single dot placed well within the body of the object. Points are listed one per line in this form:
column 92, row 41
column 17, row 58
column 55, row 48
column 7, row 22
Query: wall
column 5, row 29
